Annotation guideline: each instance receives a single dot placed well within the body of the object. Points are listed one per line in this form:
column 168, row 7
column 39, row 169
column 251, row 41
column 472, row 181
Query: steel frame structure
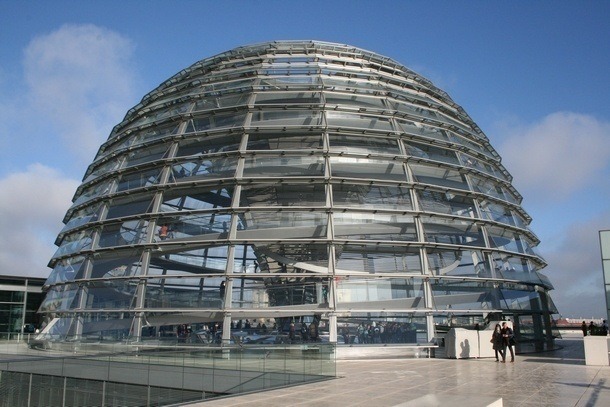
column 296, row 181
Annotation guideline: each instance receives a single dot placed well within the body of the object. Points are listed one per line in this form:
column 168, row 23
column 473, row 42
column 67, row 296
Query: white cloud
column 575, row 269
column 32, row 204
column 80, row 80
column 557, row 156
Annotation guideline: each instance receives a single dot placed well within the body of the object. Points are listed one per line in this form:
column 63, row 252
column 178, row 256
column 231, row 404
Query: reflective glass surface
column 295, row 182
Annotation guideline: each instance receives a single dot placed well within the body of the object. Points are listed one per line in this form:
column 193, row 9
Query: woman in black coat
column 498, row 342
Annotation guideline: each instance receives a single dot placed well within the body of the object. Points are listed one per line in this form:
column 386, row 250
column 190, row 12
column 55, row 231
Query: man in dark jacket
column 508, row 337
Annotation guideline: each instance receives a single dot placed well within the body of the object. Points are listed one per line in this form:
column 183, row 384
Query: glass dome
column 296, row 182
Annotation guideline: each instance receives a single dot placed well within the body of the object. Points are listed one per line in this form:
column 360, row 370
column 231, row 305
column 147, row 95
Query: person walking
column 498, row 342
column 508, row 340
column 583, row 327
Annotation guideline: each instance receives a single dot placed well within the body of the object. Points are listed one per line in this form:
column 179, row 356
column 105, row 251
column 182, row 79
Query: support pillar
column 226, row 329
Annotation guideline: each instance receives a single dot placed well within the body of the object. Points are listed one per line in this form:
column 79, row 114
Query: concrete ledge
column 438, row 400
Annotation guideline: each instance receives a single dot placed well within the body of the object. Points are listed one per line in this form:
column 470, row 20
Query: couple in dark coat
column 502, row 338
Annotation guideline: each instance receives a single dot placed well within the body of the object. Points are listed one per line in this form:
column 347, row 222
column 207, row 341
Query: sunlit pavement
column 558, row 378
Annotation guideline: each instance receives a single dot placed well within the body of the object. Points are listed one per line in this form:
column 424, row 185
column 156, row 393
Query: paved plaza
column 558, row 378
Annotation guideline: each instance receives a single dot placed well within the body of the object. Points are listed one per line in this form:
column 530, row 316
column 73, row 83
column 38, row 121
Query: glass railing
column 191, row 372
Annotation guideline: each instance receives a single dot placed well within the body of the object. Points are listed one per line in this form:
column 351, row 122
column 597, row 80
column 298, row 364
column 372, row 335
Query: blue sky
column 533, row 75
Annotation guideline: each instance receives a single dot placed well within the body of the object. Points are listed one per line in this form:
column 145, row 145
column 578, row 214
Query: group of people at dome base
column 503, row 339
column 593, row 329
column 306, row 333
column 380, row 332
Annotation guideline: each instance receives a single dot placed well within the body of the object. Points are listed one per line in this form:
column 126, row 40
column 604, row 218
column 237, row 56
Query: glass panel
column 226, row 85
column 377, row 259
column 194, row 199
column 190, row 293
column 163, row 113
column 529, row 247
column 387, row 327
column 188, row 226
column 411, row 97
column 74, row 242
column 438, row 176
column 363, row 144
column 286, row 118
column 60, row 298
column 371, row 196
column 417, row 129
column 112, row 327
column 284, row 166
column 282, row 195
column 104, row 168
column 247, row 259
column 283, row 258
column 283, row 141
column 110, row 294
column 252, row 293
column 280, row 82
column 470, row 144
column 471, row 162
column 467, row 295
column 113, row 144
column 282, row 225
column 489, row 187
column 369, row 226
column 547, row 283
column 361, row 86
column 414, row 110
column 520, row 222
column 11, row 296
column 288, row 98
column 208, row 145
column 212, row 102
column 514, row 268
column 446, row 202
column 81, row 392
column 93, row 191
column 469, row 263
column 505, row 239
column 65, row 270
column 83, row 216
column 204, row 168
column 216, row 121
column 126, row 233
column 354, row 100
column 205, row 260
column 431, row 153
column 439, row 230
column 550, row 304
column 129, row 205
column 520, row 300
column 353, row 167
column 287, row 70
column 497, row 212
column 156, row 132
column 114, row 265
column 139, row 179
column 358, row 121
column 380, row 293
